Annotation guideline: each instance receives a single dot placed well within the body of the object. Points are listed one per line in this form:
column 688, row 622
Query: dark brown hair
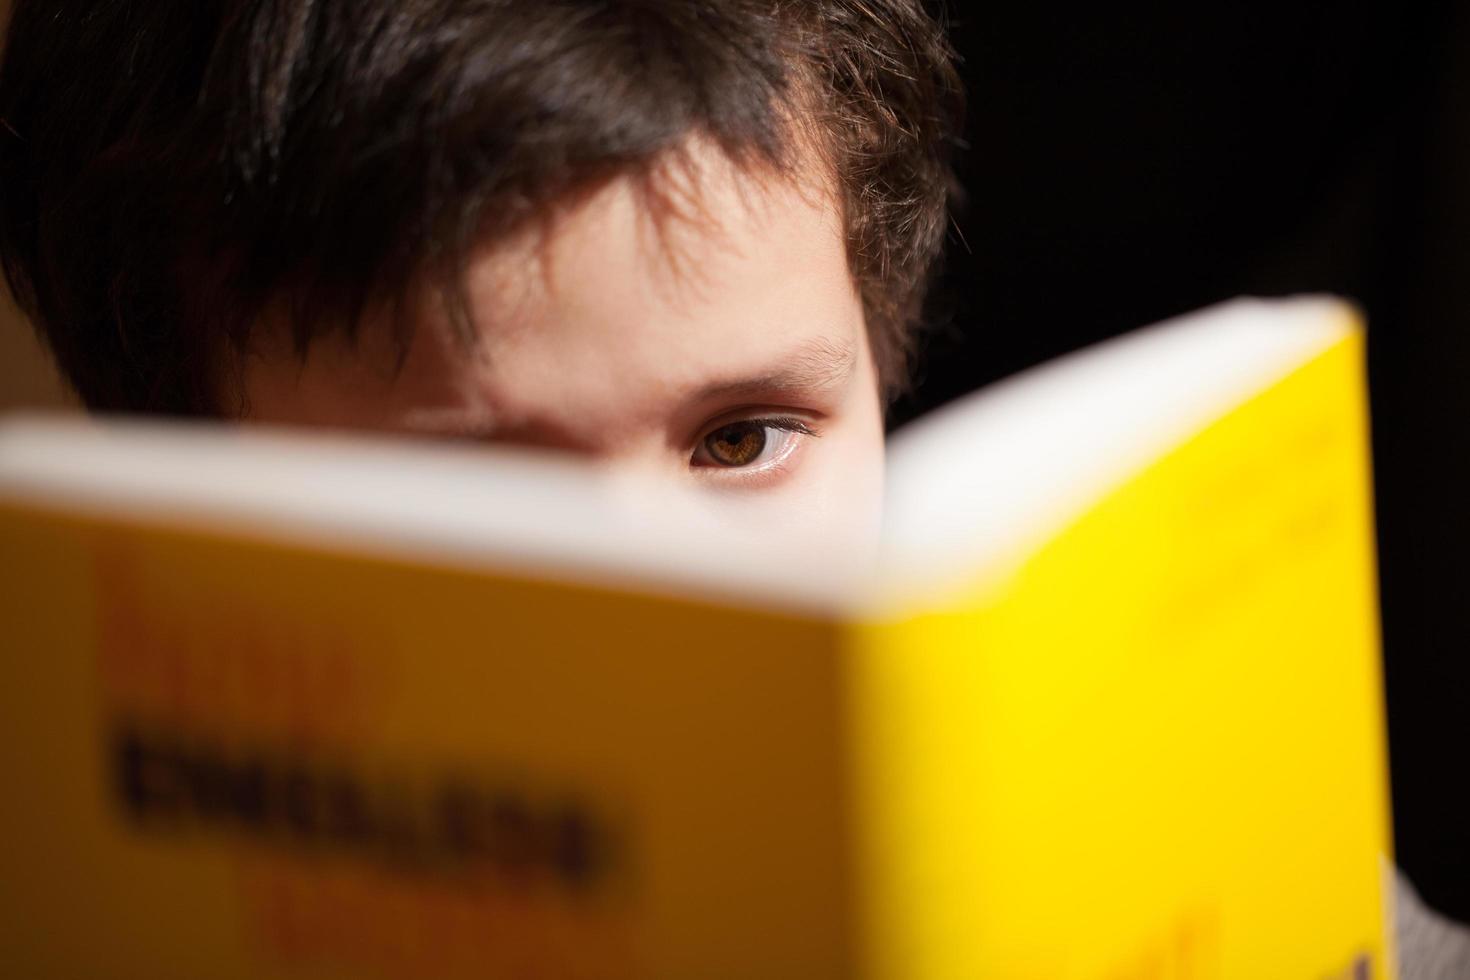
column 171, row 169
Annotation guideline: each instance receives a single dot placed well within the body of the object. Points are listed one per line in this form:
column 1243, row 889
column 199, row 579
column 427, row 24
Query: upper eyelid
column 789, row 420
column 786, row 423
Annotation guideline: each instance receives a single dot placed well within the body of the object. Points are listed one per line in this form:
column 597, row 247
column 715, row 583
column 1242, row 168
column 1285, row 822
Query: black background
column 1125, row 166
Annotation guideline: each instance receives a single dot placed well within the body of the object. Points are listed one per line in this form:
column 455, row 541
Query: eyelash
column 793, row 427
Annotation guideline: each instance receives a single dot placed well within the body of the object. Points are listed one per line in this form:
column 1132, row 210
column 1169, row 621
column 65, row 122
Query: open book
column 1108, row 706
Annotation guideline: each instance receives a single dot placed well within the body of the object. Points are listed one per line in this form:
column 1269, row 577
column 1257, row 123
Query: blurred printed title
column 1125, row 168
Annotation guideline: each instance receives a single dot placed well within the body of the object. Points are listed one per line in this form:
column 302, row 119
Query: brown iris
column 738, row 444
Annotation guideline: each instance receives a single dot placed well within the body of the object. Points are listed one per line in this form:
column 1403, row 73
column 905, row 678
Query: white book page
column 973, row 486
column 980, row 483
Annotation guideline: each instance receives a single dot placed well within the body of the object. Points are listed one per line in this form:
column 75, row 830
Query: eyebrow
column 451, row 422
column 816, row 366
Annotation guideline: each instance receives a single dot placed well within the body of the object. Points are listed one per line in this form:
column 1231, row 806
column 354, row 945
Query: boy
column 689, row 237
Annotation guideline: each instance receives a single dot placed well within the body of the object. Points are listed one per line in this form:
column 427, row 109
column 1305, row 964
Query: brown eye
column 750, row 444
column 737, row 444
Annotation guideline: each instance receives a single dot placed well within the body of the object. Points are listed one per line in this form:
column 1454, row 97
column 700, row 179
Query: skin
column 711, row 346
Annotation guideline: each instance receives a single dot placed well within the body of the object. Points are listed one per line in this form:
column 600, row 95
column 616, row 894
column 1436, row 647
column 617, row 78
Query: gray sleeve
column 1431, row 946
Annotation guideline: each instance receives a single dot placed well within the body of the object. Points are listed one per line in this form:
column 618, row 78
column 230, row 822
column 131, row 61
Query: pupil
column 738, row 444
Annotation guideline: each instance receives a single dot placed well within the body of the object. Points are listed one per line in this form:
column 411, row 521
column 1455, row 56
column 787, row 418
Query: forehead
column 626, row 300
column 676, row 243
column 698, row 272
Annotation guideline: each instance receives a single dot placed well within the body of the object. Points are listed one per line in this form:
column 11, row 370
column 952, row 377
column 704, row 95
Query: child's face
column 722, row 352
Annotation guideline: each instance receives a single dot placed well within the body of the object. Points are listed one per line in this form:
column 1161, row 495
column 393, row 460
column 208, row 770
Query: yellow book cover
column 1108, row 708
